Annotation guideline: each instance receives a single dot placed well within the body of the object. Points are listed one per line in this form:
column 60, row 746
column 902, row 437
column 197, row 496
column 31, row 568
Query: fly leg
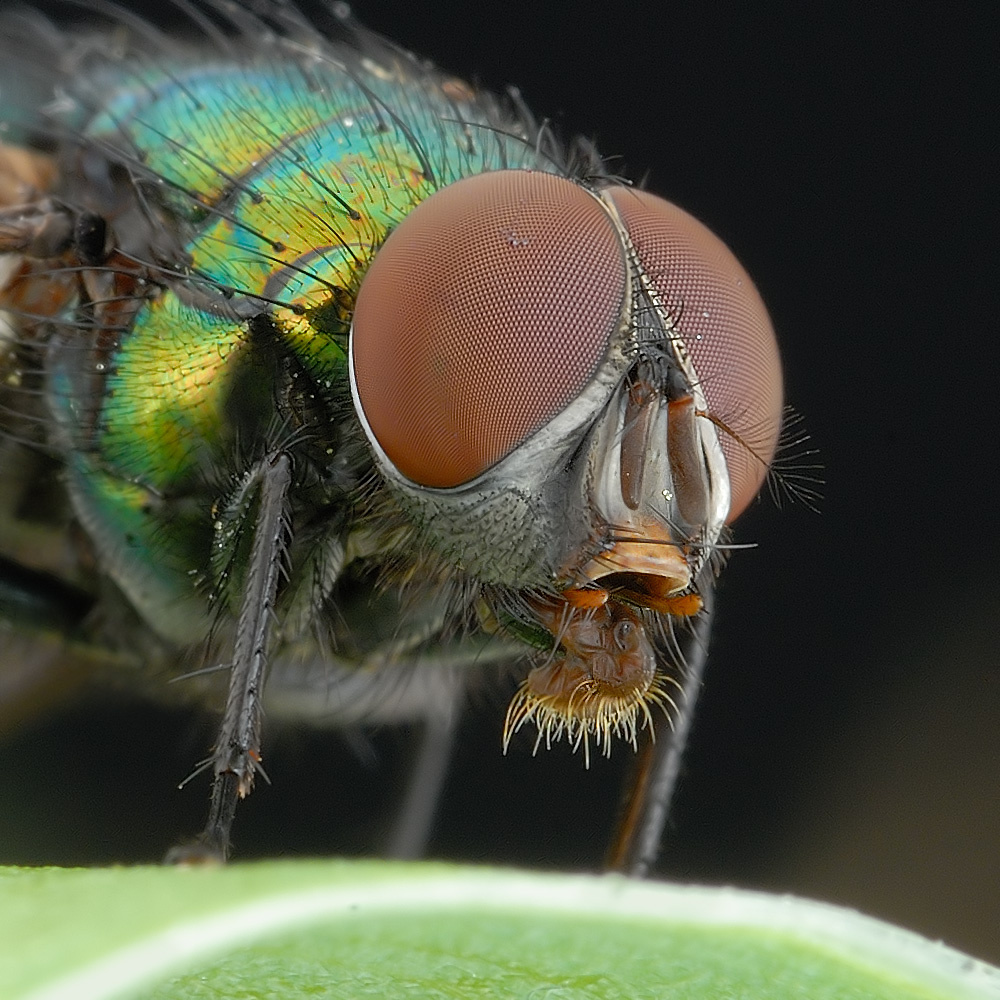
column 650, row 787
column 236, row 757
column 412, row 826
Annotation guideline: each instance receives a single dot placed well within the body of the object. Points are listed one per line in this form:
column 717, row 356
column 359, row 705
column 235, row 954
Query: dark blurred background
column 846, row 746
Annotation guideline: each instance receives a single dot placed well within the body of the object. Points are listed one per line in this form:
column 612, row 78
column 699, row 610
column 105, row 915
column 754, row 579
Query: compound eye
column 486, row 312
column 724, row 326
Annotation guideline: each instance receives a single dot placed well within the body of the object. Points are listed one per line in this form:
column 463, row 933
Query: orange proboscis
column 602, row 680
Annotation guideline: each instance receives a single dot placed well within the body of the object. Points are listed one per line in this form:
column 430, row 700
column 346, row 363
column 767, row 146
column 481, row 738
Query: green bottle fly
column 328, row 381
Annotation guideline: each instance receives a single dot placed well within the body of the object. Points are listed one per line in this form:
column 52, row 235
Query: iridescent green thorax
column 283, row 181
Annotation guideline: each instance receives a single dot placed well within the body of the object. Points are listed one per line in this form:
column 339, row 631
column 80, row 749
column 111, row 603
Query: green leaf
column 348, row 929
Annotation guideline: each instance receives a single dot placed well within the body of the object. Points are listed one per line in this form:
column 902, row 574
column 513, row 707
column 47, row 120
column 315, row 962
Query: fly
column 342, row 380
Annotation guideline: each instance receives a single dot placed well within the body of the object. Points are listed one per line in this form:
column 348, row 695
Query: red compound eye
column 724, row 326
column 485, row 313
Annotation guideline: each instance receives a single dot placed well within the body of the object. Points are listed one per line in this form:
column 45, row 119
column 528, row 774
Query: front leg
column 236, row 757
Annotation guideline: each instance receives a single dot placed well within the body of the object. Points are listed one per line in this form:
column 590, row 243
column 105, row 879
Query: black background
column 846, row 746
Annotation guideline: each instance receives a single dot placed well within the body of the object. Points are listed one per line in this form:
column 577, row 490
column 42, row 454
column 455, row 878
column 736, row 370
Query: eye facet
column 484, row 314
column 724, row 327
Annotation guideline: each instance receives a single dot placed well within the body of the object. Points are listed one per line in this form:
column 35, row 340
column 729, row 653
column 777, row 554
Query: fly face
column 571, row 389
column 346, row 373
